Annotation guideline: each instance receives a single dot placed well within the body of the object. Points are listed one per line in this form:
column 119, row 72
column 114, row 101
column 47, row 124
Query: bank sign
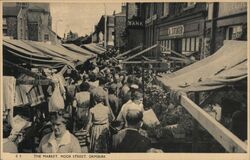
column 176, row 31
column 135, row 23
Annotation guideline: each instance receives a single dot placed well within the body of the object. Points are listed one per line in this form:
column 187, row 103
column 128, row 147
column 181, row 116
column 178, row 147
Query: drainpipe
column 214, row 27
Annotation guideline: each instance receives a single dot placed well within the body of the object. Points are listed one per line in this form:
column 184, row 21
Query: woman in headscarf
column 100, row 117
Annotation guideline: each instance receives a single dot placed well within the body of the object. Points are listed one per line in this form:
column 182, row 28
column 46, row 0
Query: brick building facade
column 28, row 21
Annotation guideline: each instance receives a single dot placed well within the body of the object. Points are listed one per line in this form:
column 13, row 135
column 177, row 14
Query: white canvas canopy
column 226, row 66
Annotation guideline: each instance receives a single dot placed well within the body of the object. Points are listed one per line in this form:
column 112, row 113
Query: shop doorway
column 177, row 45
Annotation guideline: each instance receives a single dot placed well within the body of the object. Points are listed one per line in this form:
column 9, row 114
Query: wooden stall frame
column 140, row 53
column 129, row 51
column 226, row 138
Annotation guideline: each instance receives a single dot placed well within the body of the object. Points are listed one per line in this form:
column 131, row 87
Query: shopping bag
column 56, row 101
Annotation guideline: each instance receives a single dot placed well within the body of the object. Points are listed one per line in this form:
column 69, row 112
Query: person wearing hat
column 99, row 119
column 60, row 140
column 129, row 139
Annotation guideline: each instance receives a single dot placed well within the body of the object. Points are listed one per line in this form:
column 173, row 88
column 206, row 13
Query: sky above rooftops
column 79, row 17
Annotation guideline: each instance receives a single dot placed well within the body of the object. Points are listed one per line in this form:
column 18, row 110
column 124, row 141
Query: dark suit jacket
column 130, row 140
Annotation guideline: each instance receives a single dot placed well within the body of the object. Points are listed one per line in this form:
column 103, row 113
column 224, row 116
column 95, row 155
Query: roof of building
column 120, row 14
column 10, row 11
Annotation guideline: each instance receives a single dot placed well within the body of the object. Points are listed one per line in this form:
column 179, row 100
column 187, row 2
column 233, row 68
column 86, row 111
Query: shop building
column 225, row 21
column 134, row 24
column 100, row 29
column 181, row 28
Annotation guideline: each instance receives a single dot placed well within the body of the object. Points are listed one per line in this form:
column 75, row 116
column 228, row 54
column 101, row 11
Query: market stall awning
column 17, row 51
column 78, row 49
column 41, row 54
column 62, row 51
column 94, row 48
column 226, row 66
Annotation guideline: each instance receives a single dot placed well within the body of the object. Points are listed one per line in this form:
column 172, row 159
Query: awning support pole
column 140, row 53
column 129, row 51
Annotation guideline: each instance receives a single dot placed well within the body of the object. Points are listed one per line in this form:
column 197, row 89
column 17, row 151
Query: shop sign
column 135, row 23
column 237, row 32
column 151, row 19
column 154, row 17
column 176, row 30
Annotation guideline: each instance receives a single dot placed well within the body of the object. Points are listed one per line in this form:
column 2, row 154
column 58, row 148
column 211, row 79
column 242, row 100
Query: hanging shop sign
column 176, row 30
column 151, row 19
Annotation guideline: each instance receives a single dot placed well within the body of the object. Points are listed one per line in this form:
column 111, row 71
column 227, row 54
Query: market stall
column 94, row 48
column 35, row 79
column 78, row 49
column 224, row 68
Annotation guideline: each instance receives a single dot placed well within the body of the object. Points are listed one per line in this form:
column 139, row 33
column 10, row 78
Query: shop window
column 188, row 44
column 169, row 44
column 161, row 43
column 234, row 32
column 192, row 44
column 197, row 44
column 166, row 45
column 184, row 44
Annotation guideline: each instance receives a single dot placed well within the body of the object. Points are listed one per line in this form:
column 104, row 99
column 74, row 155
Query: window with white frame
column 166, row 45
column 190, row 44
column 234, row 32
